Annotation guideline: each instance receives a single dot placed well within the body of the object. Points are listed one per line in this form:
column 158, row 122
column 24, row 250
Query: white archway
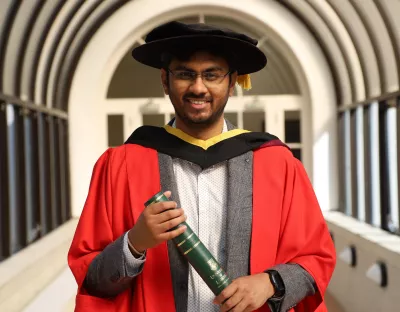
column 88, row 137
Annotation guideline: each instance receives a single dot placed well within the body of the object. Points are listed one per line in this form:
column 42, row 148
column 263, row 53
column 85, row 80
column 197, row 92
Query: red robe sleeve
column 296, row 231
column 305, row 234
column 100, row 223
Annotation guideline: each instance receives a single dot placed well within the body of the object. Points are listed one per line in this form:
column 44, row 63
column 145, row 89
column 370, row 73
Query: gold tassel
column 244, row 81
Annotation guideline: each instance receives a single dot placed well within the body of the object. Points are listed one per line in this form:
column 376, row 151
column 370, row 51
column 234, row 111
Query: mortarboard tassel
column 244, row 81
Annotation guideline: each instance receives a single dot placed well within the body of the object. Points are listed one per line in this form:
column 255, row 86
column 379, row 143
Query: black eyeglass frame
column 194, row 75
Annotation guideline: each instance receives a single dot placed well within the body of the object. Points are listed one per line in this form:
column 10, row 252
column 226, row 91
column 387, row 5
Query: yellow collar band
column 204, row 144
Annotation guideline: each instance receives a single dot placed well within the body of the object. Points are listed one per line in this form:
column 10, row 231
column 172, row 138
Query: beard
column 199, row 122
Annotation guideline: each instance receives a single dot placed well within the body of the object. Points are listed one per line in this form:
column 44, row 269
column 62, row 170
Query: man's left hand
column 245, row 294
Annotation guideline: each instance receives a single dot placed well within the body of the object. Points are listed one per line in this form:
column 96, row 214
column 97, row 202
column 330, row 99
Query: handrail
column 382, row 97
column 33, row 107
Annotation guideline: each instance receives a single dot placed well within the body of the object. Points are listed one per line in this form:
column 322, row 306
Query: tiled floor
column 332, row 304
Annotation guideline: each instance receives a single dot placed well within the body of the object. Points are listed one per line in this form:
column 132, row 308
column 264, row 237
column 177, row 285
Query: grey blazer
column 113, row 270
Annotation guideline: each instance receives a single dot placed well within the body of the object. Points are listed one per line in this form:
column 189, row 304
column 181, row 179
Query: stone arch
column 101, row 56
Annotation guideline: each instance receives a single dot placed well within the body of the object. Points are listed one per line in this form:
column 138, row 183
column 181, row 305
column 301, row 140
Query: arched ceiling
column 41, row 42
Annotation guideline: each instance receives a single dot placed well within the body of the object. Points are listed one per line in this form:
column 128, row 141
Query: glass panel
column 4, row 201
column 392, row 141
column 35, row 171
column 384, row 168
column 56, row 170
column 375, row 166
column 347, row 163
column 156, row 120
column 31, row 171
column 67, row 165
column 342, row 168
column 63, row 170
column 254, row 121
column 16, row 183
column 297, row 153
column 367, row 165
column 232, row 118
column 398, row 156
column 115, row 124
column 353, row 157
column 359, row 136
column 292, row 127
column 132, row 79
column 54, row 185
column 44, row 174
column 21, row 175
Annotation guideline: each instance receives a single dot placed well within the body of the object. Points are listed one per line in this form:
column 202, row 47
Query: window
column 375, row 195
column 232, row 118
column 254, row 121
column 389, row 172
column 347, row 163
column 34, row 173
column 293, row 132
column 63, row 151
column 357, row 163
column 16, row 178
column 369, row 163
column 157, row 120
column 31, row 176
column 115, row 130
column 54, row 172
column 44, row 174
column 4, row 202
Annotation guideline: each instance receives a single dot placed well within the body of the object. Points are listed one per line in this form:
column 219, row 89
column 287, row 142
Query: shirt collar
column 224, row 128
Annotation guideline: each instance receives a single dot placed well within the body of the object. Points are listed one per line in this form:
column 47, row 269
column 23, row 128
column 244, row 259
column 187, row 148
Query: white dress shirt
column 203, row 196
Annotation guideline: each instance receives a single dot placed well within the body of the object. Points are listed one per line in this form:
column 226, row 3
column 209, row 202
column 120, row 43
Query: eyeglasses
column 209, row 78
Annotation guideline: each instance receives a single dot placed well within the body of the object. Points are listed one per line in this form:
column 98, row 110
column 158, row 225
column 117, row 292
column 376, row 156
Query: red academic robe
column 287, row 226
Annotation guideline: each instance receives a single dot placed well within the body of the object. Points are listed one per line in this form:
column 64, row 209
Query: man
column 244, row 194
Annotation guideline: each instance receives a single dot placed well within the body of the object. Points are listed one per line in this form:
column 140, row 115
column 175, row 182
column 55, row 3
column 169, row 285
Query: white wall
column 88, row 135
column 350, row 285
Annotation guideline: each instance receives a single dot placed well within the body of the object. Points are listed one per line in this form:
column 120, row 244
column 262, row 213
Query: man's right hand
column 154, row 223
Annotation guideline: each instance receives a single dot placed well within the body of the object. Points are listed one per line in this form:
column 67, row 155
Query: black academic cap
column 176, row 36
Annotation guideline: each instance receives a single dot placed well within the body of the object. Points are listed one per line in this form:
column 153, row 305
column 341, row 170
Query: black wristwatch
column 275, row 301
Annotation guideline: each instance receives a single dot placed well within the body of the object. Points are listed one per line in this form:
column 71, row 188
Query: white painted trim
column 88, row 135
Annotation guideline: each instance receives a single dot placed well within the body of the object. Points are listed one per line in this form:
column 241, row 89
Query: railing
column 369, row 134
column 34, row 172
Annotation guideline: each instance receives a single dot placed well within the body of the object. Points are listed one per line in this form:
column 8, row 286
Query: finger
column 172, row 234
column 242, row 306
column 168, row 215
column 167, row 194
column 167, row 225
column 231, row 302
column 157, row 208
column 226, row 293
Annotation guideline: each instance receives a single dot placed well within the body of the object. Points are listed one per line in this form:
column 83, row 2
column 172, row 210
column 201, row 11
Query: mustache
column 200, row 97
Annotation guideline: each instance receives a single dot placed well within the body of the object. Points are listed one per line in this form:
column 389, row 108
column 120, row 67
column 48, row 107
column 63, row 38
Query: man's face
column 198, row 100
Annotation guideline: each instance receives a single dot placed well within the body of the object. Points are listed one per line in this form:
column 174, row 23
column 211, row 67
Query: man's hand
column 153, row 224
column 245, row 294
